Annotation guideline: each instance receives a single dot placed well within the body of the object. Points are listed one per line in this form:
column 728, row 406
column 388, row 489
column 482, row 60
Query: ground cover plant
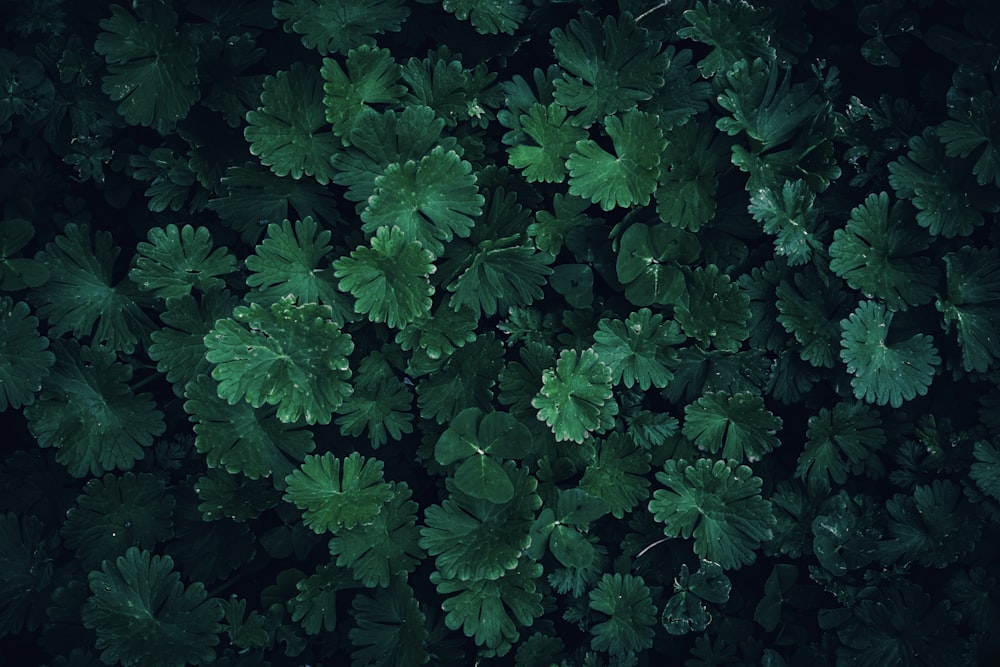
column 500, row 332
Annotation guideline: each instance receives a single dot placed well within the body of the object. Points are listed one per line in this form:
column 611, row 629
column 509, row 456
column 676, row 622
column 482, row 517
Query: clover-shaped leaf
column 480, row 441
column 649, row 260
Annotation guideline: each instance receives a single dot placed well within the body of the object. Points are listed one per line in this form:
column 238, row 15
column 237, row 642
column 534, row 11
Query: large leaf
column 151, row 66
column 143, row 614
column 576, row 397
column 431, row 200
column 291, row 356
column 338, row 493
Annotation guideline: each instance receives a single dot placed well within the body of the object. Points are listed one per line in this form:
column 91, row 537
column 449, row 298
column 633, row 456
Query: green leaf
column 715, row 311
column 478, row 441
column 291, row 356
column 488, row 18
column 628, row 176
column 638, row 350
column 685, row 611
column 985, row 472
column 88, row 412
column 151, row 66
column 609, row 67
column 27, row 553
column 885, row 372
column 972, row 125
column 881, row 254
column 431, row 200
column 810, row 306
column 390, row 629
column 24, row 359
column 549, row 230
column 576, row 397
column 391, row 280
column 972, row 304
column 792, row 216
column 490, row 610
column 934, row 527
column 115, row 513
column 79, row 297
column 735, row 31
column 719, row 502
column 379, row 140
column 478, row 539
column 440, row 334
column 241, row 439
column 465, row 380
column 575, row 282
column 770, row 113
column 247, row 633
column 380, row 404
column 441, row 82
column 564, row 529
column 840, row 441
column 499, row 277
column 28, row 92
column 315, row 606
column 617, row 474
column 372, row 77
column 236, row 497
column 936, row 185
column 555, row 139
column 178, row 348
column 648, row 260
column 378, row 551
column 175, row 261
column 627, row 601
column 777, row 584
column 18, row 272
column 738, row 424
column 170, row 179
column 338, row 493
column 143, row 614
column 690, row 165
column 288, row 132
column 332, row 26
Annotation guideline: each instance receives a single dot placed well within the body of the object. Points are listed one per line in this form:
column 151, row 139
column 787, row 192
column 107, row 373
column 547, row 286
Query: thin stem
column 639, row 555
column 651, row 10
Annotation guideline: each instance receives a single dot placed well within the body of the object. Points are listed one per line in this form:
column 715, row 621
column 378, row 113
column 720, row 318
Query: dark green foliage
column 496, row 332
